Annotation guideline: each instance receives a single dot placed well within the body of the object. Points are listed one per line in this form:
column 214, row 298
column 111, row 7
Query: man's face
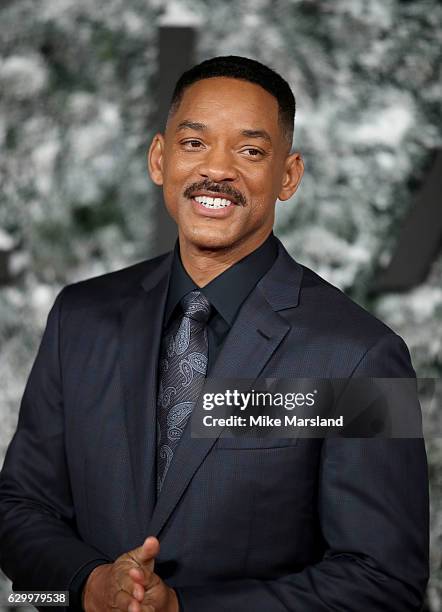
column 223, row 162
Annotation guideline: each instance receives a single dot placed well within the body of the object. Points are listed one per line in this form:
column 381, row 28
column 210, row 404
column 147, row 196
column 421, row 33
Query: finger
column 138, row 575
column 124, row 601
column 146, row 552
column 124, row 581
column 138, row 592
column 152, row 583
column 146, row 580
column 145, row 607
column 142, row 581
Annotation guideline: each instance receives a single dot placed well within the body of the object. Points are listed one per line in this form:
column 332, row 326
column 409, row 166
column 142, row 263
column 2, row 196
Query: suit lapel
column 253, row 339
column 141, row 319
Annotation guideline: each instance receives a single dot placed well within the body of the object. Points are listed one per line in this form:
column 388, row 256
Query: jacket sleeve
column 40, row 548
column 373, row 509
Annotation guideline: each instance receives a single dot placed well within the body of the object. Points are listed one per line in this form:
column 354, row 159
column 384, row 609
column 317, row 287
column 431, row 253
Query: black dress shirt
column 226, row 293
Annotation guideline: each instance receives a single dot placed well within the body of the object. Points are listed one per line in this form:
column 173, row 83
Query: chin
column 209, row 239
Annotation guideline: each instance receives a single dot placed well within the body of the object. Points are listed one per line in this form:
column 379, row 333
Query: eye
column 252, row 152
column 192, row 144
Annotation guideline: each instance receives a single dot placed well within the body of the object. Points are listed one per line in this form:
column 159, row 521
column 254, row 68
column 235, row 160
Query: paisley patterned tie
column 182, row 369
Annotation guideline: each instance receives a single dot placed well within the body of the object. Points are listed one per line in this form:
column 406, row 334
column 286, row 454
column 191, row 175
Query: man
column 102, row 457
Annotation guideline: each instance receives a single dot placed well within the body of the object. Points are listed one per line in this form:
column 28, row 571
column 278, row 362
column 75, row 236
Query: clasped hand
column 130, row 584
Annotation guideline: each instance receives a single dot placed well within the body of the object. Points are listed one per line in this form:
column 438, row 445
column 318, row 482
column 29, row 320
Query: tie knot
column 196, row 306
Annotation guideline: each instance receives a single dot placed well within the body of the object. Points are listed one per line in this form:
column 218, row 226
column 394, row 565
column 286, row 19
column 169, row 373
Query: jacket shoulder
column 109, row 287
column 337, row 311
column 353, row 338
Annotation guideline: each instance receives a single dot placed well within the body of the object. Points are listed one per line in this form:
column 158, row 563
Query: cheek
column 176, row 177
column 178, row 166
column 260, row 181
column 171, row 197
column 261, row 194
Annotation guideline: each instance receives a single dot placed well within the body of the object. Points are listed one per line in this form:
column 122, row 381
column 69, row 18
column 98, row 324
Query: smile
column 208, row 202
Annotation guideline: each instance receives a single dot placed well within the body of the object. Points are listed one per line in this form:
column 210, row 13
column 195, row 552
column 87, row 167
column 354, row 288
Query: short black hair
column 245, row 69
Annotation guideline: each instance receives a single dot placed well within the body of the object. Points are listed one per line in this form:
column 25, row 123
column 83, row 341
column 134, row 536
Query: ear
column 294, row 169
column 155, row 159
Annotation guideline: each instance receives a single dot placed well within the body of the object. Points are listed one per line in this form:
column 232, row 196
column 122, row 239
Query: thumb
column 146, row 552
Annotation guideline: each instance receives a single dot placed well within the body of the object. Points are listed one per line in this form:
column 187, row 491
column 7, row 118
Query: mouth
column 217, row 206
column 213, row 202
column 214, row 197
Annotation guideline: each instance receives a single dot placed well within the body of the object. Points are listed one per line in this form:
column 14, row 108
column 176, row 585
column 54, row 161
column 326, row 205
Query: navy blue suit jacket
column 266, row 525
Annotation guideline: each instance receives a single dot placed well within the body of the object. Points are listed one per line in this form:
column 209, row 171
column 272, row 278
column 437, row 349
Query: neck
column 205, row 264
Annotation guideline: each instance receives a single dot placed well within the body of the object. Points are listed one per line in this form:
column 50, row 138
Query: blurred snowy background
column 78, row 91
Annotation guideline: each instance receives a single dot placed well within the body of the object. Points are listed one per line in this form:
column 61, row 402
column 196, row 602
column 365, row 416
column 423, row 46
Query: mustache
column 220, row 188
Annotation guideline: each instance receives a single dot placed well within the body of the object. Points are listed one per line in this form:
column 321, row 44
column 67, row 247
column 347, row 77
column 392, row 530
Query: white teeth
column 213, row 202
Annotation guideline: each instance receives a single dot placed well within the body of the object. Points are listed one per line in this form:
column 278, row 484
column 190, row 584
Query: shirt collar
column 228, row 290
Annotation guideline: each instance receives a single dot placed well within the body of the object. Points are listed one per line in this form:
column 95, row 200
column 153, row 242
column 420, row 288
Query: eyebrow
column 192, row 125
column 200, row 127
column 257, row 134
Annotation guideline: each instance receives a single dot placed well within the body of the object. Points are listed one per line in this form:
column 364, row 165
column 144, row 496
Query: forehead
column 228, row 102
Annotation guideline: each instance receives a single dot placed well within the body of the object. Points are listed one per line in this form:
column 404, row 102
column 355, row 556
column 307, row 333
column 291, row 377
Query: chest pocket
column 249, row 443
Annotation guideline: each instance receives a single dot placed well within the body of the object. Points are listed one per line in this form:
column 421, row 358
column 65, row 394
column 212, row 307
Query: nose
column 218, row 165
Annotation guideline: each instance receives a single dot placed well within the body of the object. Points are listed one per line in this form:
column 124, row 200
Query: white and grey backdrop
column 84, row 85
